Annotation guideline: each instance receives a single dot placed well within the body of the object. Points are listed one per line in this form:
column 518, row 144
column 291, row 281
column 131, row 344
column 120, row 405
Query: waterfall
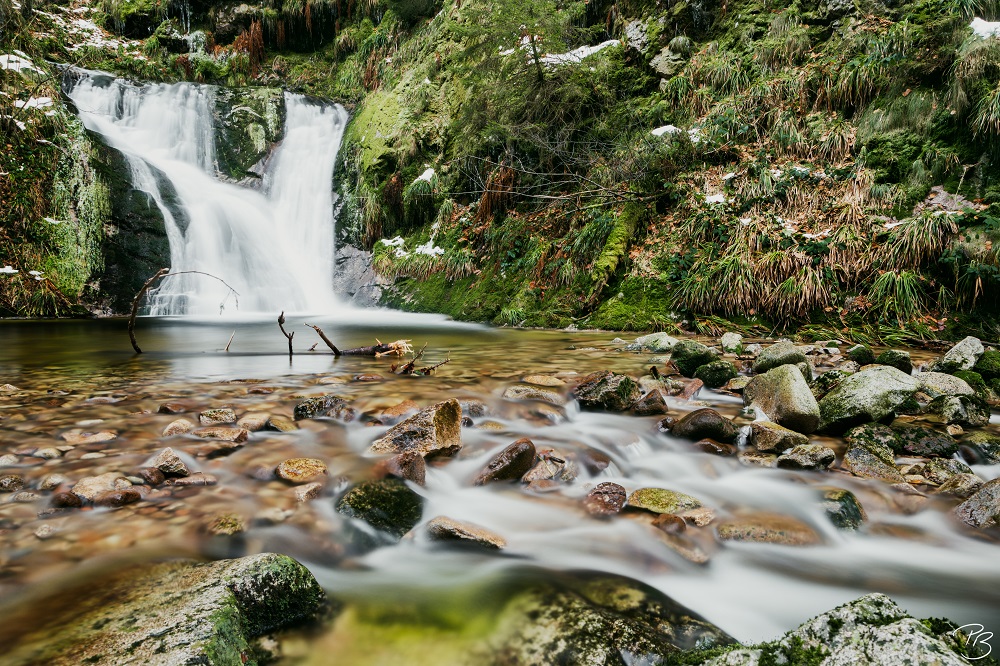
column 275, row 246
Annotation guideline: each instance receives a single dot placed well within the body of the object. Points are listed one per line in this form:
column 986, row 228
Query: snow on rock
column 985, row 29
column 715, row 198
column 34, row 103
column 577, row 55
column 16, row 63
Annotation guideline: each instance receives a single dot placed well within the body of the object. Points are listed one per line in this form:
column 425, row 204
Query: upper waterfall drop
column 275, row 246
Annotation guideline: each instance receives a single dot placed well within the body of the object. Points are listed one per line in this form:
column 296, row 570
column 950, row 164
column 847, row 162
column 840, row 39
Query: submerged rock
column 869, row 395
column 510, row 464
column 221, row 416
column 843, row 508
column 871, row 631
column 705, row 424
column 301, row 470
column 408, row 465
column 596, row 618
column 784, row 396
column 607, row 390
column 388, row 505
column 768, row 528
column 434, row 431
column 527, row 392
column 174, row 613
column 327, row 405
column 778, row 354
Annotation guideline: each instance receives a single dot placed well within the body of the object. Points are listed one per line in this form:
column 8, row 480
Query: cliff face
column 633, row 164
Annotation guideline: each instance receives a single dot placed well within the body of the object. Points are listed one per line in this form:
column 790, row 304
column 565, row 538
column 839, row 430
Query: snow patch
column 426, row 175
column 716, row 198
column 394, row 242
column 34, row 103
column 8, row 270
column 985, row 29
column 17, row 63
column 666, row 129
column 577, row 55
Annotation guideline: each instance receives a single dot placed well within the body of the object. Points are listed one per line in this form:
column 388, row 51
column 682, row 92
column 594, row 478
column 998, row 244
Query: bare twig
column 135, row 306
column 322, row 336
column 289, row 336
column 429, row 370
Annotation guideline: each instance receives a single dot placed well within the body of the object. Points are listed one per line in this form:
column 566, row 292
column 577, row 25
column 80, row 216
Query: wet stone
column 195, row 480
column 608, row 391
column 327, row 405
column 543, row 380
column 152, row 476
column 307, row 492
column 90, row 487
column 525, row 392
column 25, row 497
column 669, row 523
column 116, row 498
column 53, row 481
column 771, row 437
column 220, row 416
column 10, row 483
column 699, row 517
column 705, row 423
column 983, row 507
column 474, row 408
column 447, row 529
column 48, row 453
column 301, row 470
column 399, row 411
column 807, row 457
column 408, row 465
column 769, row 528
column 8, row 460
column 226, row 524
column 168, row 462
column 939, row 470
column 758, row 458
column 605, row 499
column 842, row 508
column 178, row 427
column 661, row 500
column 77, row 438
column 281, row 424
column 65, row 501
column 652, row 404
column 960, row 485
column 234, row 435
column 689, row 355
column 920, row 440
column 897, row 359
column 253, row 421
column 968, row 411
column 434, row 431
column 388, row 505
column 510, row 464
column 173, row 408
column 714, row 448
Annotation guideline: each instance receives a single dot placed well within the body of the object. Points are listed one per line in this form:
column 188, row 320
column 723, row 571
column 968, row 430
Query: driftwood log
column 397, row 348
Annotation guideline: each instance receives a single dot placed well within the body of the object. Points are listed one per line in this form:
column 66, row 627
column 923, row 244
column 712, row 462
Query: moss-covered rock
column 661, row 500
column 716, row 373
column 981, row 448
column 173, row 613
column 778, row 354
column 869, row 395
column 705, row 424
column 988, row 365
column 689, row 355
column 607, row 390
column 783, row 395
column 826, row 382
column 248, row 122
column 843, row 508
column 861, row 354
column 896, row 359
column 388, row 505
column 968, row 411
column 917, row 440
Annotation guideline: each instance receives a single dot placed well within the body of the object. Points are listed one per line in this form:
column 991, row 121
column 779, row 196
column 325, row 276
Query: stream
column 71, row 378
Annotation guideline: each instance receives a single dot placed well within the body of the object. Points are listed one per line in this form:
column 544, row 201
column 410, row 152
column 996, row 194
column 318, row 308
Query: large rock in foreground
column 869, row 395
column 607, row 390
column 871, row 631
column 435, row 431
column 175, row 613
column 597, row 618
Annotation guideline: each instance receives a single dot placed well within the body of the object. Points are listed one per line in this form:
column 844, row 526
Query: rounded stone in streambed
column 661, row 500
column 388, row 505
column 11, row 483
column 869, row 395
column 715, row 448
column 918, row 440
column 447, row 529
column 178, row 427
column 510, row 464
column 651, row 404
column 705, row 423
column 152, row 476
column 211, row 417
column 408, row 465
column 606, row 499
column 962, row 486
column 608, row 391
column 769, row 528
column 968, row 411
column 689, row 355
column 301, row 470
column 716, row 373
column 669, row 523
column 168, row 462
column 784, row 396
column 88, row 488
column 842, row 508
column 116, row 498
column 527, row 392
column 770, row 437
column 896, row 359
column 65, row 501
column 434, row 431
column 807, row 457
column 778, row 354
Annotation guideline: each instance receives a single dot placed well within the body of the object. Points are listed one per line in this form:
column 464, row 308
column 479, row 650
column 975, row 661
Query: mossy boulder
column 172, row 613
column 936, row 384
column 716, row 373
column 917, row 440
column 982, row 509
column 248, row 122
column 896, row 359
column 826, row 382
column 869, row 453
column 807, row 457
column 607, row 390
column 968, row 411
column 974, row 380
column 784, row 396
column 870, row 630
column 689, row 355
column 658, row 343
column 861, row 354
column 388, row 505
column 870, row 395
column 771, row 437
column 778, row 354
column 988, row 365
column 963, row 356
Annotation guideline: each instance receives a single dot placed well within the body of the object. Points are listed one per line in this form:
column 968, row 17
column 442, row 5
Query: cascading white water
column 274, row 247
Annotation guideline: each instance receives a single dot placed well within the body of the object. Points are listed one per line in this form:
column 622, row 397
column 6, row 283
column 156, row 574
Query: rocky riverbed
column 755, row 483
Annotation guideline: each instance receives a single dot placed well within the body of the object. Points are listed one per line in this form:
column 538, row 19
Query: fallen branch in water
column 289, row 336
column 408, row 368
column 230, row 341
column 397, row 348
column 162, row 273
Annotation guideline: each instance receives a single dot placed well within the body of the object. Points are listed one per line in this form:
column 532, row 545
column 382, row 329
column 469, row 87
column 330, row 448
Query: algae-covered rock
column 871, row 631
column 607, row 390
column 988, row 365
column 826, row 382
column 869, row 453
column 689, row 355
column 807, row 457
column 981, row 448
column 936, row 384
column 896, row 359
column 783, row 395
column 326, row 405
column 435, row 431
column 843, row 508
column 969, row 411
column 248, row 122
column 918, row 440
column 388, row 505
column 778, row 354
column 596, row 618
column 869, row 395
column 658, row 343
column 661, row 500
column 173, row 613
column 861, row 354
column 716, row 373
